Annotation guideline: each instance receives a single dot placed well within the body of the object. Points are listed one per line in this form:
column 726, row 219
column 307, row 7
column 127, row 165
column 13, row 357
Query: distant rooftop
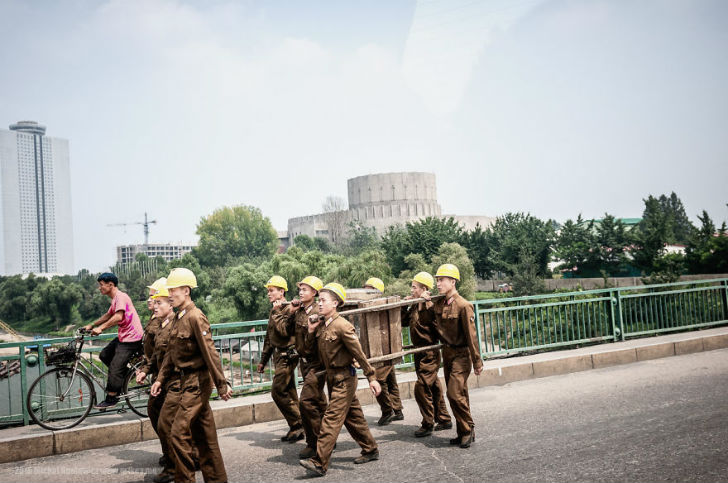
column 31, row 127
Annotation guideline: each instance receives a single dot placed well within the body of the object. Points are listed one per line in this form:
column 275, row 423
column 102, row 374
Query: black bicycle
column 63, row 396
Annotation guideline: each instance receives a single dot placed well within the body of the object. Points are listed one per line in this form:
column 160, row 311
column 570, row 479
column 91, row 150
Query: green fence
column 505, row 326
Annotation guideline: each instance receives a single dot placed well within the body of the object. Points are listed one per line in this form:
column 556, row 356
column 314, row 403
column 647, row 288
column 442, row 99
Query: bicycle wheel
column 136, row 395
column 60, row 400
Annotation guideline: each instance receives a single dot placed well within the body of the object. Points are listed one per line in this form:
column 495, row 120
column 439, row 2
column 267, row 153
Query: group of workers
column 307, row 333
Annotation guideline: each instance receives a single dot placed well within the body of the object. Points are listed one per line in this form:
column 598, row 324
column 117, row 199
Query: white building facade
column 168, row 251
column 35, row 188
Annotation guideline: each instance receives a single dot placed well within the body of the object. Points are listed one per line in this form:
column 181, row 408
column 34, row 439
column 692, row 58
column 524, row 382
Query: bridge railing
column 505, row 326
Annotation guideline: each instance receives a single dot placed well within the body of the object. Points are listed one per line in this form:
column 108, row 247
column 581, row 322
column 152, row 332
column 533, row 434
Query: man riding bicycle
column 119, row 351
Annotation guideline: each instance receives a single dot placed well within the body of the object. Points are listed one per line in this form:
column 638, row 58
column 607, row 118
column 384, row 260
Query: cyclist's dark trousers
column 116, row 356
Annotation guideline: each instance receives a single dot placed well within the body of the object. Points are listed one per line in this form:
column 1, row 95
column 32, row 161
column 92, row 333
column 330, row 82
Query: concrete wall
column 591, row 283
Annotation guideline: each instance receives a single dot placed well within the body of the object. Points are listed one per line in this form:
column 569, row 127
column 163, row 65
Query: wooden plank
column 395, row 332
column 401, row 303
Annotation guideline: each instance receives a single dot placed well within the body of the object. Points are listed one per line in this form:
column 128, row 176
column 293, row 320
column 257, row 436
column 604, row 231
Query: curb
column 258, row 409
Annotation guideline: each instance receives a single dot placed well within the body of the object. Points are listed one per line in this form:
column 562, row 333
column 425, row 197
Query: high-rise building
column 35, row 187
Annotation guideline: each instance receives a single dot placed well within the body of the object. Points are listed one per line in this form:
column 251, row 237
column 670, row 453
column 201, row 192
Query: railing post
column 24, row 383
column 477, row 330
column 619, row 321
column 725, row 299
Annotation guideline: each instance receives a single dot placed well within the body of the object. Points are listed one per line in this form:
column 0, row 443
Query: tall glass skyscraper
column 35, row 189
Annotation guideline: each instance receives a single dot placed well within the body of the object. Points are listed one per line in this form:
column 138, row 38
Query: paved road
column 661, row 420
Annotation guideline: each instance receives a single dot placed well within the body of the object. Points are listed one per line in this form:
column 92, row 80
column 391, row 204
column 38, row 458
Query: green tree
column 235, row 233
column 707, row 249
column 56, row 300
column 681, row 227
column 14, row 295
column 457, row 255
column 478, row 242
column 360, row 238
column 526, row 279
column 352, row 272
column 244, row 286
column 422, row 236
column 651, row 235
column 516, row 234
column 306, row 243
column 612, row 242
column 666, row 268
column 574, row 246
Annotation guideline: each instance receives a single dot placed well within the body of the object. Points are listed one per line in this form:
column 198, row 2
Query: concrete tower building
column 36, row 229
column 379, row 201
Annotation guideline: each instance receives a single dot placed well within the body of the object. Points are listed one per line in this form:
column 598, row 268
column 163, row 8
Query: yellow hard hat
column 448, row 270
column 313, row 282
column 162, row 292
column 277, row 281
column 158, row 284
column 337, row 289
column 425, row 279
column 376, row 283
column 181, row 277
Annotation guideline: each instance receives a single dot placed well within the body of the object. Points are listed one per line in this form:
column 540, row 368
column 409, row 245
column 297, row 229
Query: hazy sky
column 550, row 107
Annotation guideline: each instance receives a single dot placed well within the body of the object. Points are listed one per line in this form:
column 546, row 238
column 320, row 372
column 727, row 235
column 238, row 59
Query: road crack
column 444, row 466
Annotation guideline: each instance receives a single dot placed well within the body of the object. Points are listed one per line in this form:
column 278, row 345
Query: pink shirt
column 130, row 327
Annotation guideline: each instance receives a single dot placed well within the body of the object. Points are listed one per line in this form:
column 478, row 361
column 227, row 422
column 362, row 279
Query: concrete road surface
column 660, row 420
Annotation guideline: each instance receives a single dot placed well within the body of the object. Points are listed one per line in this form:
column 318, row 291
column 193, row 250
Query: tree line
column 238, row 252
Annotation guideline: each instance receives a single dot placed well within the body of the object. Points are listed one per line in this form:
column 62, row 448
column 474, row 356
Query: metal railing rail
column 505, row 326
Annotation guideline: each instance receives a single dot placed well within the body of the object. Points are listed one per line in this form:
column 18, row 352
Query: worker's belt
column 188, row 371
column 337, row 370
column 451, row 346
column 287, row 352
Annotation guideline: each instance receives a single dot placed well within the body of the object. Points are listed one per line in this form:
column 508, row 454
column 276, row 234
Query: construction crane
column 145, row 223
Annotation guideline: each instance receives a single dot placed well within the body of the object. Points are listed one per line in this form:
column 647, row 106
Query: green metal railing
column 543, row 322
column 505, row 326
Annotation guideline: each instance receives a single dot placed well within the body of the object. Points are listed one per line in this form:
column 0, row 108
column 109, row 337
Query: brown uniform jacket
column 277, row 335
column 191, row 347
column 150, row 334
column 338, row 346
column 455, row 324
column 421, row 324
column 161, row 344
column 298, row 321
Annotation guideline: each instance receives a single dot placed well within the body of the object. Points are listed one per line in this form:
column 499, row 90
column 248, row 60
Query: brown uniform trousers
column 278, row 339
column 156, row 339
column 338, row 347
column 312, row 401
column 428, row 390
column 388, row 399
column 189, row 368
column 455, row 324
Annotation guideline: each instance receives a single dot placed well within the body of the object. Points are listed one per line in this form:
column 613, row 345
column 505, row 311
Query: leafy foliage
column 235, row 233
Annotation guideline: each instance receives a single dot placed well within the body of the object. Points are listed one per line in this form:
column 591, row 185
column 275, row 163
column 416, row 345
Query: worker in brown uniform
column 428, row 390
column 312, row 401
column 389, row 400
column 455, row 325
column 149, row 366
column 189, row 368
column 280, row 344
column 156, row 341
column 338, row 347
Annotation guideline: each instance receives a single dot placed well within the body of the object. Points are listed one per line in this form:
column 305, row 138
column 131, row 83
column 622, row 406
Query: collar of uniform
column 331, row 319
column 309, row 308
column 184, row 309
column 451, row 299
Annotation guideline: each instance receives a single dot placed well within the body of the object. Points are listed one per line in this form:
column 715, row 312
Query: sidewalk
column 27, row 442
